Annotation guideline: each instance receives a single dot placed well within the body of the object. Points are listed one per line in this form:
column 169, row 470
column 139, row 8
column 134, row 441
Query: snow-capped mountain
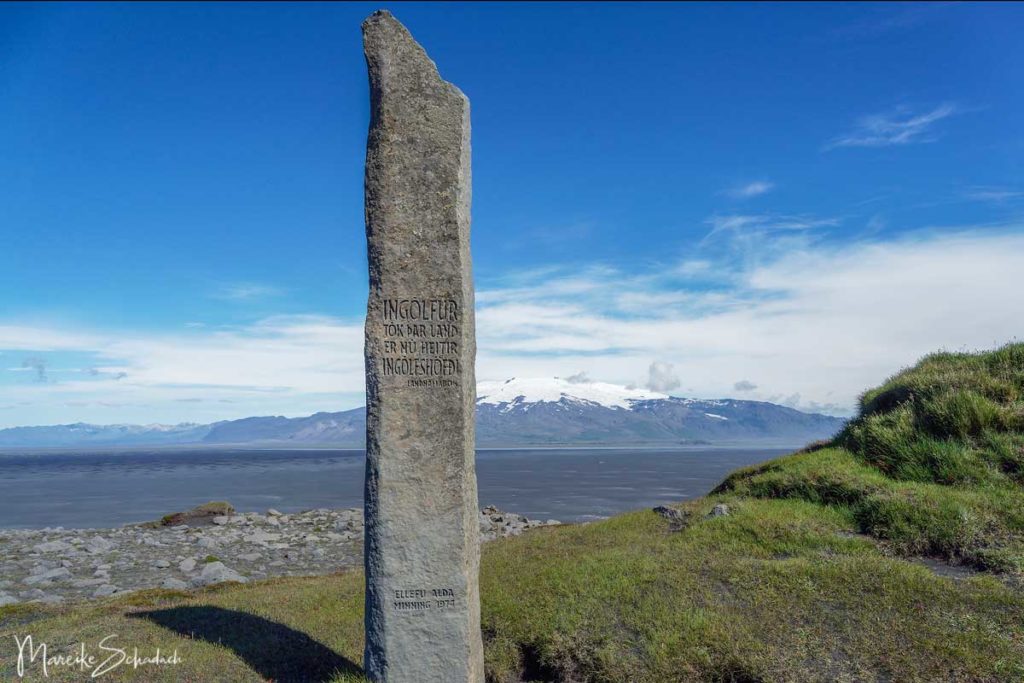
column 513, row 412
column 554, row 411
column 516, row 391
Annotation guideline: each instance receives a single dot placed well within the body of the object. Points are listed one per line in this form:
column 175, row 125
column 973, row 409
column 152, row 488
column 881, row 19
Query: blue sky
column 778, row 202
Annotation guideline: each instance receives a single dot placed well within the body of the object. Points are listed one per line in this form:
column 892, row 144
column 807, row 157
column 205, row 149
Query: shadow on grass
column 275, row 651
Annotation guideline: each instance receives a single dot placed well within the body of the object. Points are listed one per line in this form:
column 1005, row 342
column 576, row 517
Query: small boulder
column 105, row 590
column 671, row 514
column 174, row 584
column 217, row 572
column 52, row 547
column 6, row 599
column 50, row 576
column 161, row 564
column 720, row 510
column 97, row 545
column 273, row 513
column 187, row 565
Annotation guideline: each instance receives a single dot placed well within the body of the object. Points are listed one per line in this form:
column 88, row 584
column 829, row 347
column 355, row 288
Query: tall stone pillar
column 422, row 531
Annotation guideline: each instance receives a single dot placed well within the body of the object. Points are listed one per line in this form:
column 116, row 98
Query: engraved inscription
column 421, row 341
column 424, row 599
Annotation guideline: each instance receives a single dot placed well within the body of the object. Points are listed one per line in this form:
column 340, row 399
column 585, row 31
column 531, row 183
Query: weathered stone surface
column 422, row 526
column 217, row 572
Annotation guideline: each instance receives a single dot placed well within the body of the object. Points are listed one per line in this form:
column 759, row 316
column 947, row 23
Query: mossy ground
column 813, row 576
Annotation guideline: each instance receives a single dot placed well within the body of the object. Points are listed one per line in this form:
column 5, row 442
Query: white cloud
column 815, row 324
column 748, row 190
column 824, row 322
column 661, row 377
column 901, row 127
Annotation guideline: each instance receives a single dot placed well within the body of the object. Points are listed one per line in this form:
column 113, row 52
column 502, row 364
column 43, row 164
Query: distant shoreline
column 183, row 448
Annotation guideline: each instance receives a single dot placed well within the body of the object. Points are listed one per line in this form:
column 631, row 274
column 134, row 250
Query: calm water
column 110, row 489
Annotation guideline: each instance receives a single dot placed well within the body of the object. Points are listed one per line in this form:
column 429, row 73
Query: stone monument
column 422, row 536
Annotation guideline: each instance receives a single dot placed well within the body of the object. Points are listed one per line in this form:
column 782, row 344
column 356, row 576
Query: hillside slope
column 933, row 464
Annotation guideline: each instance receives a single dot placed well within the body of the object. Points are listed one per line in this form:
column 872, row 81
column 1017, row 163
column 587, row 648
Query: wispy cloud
column 748, row 190
column 885, row 19
column 899, row 127
column 993, row 194
column 765, row 223
column 246, row 291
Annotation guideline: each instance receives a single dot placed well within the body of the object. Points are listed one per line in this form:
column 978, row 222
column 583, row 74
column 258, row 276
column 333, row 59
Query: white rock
column 216, row 572
column 161, row 564
column 220, row 520
column 273, row 513
column 250, row 557
column 6, row 599
column 174, row 584
column 187, row 565
column 98, row 545
column 207, row 542
column 104, row 591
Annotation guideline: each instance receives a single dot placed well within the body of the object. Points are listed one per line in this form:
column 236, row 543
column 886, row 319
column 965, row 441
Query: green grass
column 932, row 465
column 813, row 576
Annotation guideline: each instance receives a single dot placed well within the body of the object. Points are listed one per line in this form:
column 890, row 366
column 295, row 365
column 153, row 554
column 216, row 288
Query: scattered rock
column 220, row 520
column 77, row 564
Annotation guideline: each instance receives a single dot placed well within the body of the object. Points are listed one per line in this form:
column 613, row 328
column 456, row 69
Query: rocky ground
column 54, row 565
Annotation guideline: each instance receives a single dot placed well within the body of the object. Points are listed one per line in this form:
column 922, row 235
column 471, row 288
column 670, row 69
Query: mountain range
column 515, row 412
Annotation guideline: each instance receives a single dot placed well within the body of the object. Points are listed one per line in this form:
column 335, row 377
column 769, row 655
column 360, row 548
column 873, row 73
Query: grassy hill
column 894, row 552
